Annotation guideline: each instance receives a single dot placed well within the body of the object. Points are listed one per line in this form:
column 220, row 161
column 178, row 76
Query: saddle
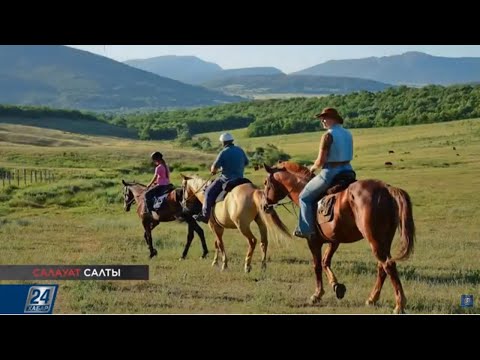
column 160, row 199
column 326, row 204
column 229, row 186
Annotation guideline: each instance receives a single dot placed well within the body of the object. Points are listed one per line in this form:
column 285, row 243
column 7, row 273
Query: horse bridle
column 133, row 198
column 269, row 185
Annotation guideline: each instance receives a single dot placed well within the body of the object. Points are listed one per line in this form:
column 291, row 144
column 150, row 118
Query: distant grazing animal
column 454, row 148
column 458, row 154
column 407, row 152
column 391, row 152
column 388, row 163
column 401, row 159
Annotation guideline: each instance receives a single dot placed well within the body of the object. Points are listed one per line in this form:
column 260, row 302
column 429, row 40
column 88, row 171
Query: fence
column 24, row 177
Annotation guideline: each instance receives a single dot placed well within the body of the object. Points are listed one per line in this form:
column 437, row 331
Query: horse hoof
column 398, row 310
column 224, row 268
column 314, row 299
column 248, row 268
column 215, row 263
column 370, row 303
column 204, row 256
column 153, row 253
column 340, row 290
column 182, row 258
column 264, row 266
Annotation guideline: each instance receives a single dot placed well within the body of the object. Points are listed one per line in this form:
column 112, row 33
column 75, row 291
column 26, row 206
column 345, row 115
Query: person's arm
column 325, row 144
column 217, row 164
column 152, row 181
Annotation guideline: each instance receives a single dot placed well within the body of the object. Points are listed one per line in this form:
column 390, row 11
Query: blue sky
column 287, row 58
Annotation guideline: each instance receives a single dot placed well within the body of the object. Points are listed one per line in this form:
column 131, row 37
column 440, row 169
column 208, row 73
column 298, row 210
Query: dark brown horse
column 171, row 211
column 368, row 209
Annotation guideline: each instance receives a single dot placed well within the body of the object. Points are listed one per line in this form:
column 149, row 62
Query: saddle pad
column 326, row 209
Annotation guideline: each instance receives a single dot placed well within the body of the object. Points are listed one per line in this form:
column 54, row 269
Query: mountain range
column 63, row 77
column 411, row 68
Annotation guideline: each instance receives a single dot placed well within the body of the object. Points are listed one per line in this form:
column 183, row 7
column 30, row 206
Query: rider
column 161, row 178
column 334, row 156
column 232, row 159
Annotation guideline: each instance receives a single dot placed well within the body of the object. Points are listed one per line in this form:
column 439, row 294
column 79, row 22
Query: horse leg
column 315, row 246
column 380, row 242
column 189, row 241
column 263, row 240
column 339, row 289
column 198, row 229
column 390, row 268
column 252, row 242
column 375, row 294
column 148, row 238
column 218, row 231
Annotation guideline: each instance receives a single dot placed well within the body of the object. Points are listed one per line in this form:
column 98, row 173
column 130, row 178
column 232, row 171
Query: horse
column 172, row 210
column 241, row 206
column 366, row 209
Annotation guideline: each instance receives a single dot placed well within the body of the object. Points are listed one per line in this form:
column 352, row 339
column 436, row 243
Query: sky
column 288, row 58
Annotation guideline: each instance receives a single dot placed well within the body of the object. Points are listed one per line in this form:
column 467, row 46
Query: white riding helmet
column 226, row 137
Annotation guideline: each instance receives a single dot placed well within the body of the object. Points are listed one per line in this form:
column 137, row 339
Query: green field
column 79, row 220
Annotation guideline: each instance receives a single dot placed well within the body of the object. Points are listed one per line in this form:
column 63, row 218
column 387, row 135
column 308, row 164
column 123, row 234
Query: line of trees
column 392, row 107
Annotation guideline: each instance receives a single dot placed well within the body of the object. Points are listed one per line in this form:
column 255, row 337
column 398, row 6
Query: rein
column 185, row 200
column 270, row 184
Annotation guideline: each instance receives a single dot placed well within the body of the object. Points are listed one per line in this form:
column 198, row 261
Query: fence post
column 41, row 177
column 18, row 178
column 9, row 178
column 3, row 179
column 25, row 177
column 35, row 175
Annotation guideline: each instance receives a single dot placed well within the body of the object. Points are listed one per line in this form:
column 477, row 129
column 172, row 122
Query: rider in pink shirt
column 161, row 179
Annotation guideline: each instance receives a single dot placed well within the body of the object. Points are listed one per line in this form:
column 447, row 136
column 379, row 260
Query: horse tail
column 406, row 225
column 271, row 218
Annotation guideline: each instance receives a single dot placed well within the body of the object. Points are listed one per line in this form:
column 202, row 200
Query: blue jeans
column 312, row 193
column 211, row 194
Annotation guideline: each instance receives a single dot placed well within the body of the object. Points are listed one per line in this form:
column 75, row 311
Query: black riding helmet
column 156, row 156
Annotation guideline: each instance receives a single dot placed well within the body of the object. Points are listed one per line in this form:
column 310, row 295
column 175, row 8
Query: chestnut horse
column 134, row 192
column 368, row 209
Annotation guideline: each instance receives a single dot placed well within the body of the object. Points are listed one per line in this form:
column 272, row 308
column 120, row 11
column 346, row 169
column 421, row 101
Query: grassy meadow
column 79, row 219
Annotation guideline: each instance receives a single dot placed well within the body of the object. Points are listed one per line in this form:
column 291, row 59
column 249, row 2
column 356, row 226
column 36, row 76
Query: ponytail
column 167, row 170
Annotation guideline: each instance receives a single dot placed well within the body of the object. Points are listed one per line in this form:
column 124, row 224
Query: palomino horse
column 133, row 192
column 240, row 207
column 368, row 209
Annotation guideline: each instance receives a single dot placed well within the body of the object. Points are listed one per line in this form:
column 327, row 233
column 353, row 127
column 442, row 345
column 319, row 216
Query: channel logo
column 40, row 299
column 27, row 299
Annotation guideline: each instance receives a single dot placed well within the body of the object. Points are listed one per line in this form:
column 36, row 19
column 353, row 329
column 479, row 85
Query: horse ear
column 124, row 183
column 267, row 168
column 184, row 177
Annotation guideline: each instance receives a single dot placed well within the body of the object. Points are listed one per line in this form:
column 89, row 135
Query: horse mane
column 296, row 169
column 134, row 183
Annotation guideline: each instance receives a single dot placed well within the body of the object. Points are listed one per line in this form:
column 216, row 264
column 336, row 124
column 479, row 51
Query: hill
column 64, row 77
column 67, row 121
column 187, row 69
column 284, row 84
column 193, row 70
column 409, row 68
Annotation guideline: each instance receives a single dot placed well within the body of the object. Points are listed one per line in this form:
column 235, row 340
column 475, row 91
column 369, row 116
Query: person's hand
column 313, row 168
